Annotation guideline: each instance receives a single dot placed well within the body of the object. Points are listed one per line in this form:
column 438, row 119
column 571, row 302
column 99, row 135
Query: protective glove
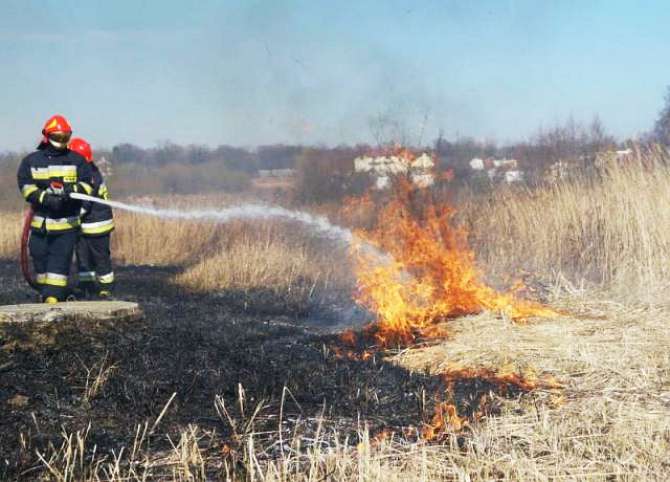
column 69, row 189
column 53, row 202
column 56, row 188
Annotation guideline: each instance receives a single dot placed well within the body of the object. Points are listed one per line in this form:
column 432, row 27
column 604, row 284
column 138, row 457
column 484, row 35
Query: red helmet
column 57, row 131
column 82, row 147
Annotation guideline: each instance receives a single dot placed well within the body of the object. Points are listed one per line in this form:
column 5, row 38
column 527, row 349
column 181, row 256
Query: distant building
column 422, row 180
column 505, row 163
column 513, row 176
column 420, row 168
column 498, row 169
column 477, row 164
column 382, row 182
column 423, row 162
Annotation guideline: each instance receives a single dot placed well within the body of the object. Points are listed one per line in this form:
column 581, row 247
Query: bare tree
column 662, row 126
column 388, row 129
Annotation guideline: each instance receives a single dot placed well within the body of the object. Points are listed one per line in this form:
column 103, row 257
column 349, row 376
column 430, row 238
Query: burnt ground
column 199, row 346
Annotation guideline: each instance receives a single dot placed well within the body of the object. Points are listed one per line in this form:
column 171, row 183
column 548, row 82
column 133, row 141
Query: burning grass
column 433, row 276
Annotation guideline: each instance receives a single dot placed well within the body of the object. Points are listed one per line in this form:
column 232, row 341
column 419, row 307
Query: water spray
column 320, row 224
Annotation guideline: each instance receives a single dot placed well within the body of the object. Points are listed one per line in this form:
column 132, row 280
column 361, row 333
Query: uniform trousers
column 94, row 261
column 52, row 255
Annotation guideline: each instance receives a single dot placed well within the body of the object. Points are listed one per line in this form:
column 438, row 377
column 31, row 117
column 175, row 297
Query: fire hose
column 243, row 211
column 25, row 257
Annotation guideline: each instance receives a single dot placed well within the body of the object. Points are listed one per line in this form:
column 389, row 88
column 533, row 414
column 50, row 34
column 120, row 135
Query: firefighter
column 46, row 179
column 93, row 248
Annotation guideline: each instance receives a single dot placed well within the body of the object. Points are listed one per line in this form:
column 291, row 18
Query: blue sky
column 257, row 72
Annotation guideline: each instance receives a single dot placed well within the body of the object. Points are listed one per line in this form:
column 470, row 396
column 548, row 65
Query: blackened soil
column 199, row 346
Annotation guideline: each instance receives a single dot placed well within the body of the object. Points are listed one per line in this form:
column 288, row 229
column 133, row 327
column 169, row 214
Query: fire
column 433, row 276
column 446, row 415
column 481, row 383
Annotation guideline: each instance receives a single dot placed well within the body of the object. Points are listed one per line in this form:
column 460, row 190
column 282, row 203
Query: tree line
column 325, row 173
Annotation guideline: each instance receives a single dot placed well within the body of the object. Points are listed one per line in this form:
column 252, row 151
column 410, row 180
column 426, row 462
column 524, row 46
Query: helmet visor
column 60, row 137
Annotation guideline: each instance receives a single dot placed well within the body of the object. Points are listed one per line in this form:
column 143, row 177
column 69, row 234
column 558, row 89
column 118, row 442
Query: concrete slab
column 71, row 311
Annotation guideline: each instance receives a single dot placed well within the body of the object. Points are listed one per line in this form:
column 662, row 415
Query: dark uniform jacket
column 97, row 219
column 36, row 173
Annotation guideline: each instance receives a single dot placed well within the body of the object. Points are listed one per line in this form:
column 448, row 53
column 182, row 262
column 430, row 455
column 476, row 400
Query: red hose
column 25, row 257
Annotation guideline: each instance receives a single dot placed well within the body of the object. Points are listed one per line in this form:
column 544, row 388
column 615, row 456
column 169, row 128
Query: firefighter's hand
column 53, row 202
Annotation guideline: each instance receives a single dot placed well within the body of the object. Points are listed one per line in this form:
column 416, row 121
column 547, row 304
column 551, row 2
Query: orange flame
column 446, row 413
column 431, row 278
column 433, row 275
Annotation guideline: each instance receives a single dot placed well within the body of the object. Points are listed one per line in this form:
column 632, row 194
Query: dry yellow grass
column 612, row 231
column 252, row 264
column 147, row 240
column 252, row 257
column 10, row 235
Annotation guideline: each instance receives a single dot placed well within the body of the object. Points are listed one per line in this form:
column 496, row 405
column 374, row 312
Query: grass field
column 233, row 374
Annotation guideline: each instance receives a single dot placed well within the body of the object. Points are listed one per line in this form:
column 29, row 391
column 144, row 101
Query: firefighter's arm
column 84, row 183
column 101, row 189
column 103, row 192
column 27, row 186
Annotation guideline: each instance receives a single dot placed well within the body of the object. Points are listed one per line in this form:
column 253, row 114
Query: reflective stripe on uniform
column 68, row 173
column 28, row 189
column 39, row 173
column 62, row 223
column 106, row 278
column 99, row 227
column 55, row 279
column 37, row 222
column 87, row 276
column 40, row 278
column 103, row 192
column 86, row 187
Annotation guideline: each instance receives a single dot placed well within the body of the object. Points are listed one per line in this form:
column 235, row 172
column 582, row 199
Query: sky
column 255, row 72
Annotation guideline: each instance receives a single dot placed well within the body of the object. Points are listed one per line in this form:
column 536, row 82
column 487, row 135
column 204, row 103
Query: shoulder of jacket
column 34, row 155
column 76, row 157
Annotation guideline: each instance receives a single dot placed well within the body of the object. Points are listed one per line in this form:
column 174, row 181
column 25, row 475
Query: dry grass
column 252, row 264
column 96, row 377
column 612, row 417
column 10, row 235
column 275, row 260
column 612, row 230
column 611, row 421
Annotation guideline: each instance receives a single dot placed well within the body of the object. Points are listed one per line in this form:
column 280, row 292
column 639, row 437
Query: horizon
column 306, row 73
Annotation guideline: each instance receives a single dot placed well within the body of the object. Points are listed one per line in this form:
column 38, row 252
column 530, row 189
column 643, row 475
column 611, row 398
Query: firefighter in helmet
column 46, row 178
column 93, row 248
